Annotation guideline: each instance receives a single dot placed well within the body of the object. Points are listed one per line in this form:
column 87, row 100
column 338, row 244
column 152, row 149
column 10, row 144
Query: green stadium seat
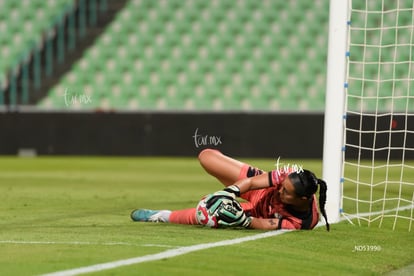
column 226, row 103
column 117, row 99
column 217, row 55
column 25, row 23
column 288, row 104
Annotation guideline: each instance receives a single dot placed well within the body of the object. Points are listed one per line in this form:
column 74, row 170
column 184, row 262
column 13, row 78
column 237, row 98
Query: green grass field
column 65, row 213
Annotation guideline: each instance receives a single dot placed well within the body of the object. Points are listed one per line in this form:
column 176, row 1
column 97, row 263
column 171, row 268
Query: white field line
column 178, row 251
column 162, row 255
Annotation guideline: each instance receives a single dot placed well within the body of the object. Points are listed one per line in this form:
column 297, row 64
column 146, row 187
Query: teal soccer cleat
column 147, row 215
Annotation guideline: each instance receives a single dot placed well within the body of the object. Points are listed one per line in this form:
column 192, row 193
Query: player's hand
column 216, row 200
column 230, row 192
column 228, row 211
column 232, row 215
column 233, row 189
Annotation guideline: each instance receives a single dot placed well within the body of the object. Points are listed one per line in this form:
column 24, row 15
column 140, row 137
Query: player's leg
column 185, row 216
column 226, row 169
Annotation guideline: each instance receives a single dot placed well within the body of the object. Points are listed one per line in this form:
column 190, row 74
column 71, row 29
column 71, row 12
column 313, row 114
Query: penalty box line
column 163, row 255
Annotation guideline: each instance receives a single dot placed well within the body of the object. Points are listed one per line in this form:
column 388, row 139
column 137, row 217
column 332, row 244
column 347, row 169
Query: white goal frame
column 336, row 111
column 335, row 105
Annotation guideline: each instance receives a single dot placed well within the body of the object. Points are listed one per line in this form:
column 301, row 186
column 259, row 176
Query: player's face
column 287, row 192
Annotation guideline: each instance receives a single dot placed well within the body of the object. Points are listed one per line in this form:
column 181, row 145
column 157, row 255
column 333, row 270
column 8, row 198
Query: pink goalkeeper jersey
column 265, row 203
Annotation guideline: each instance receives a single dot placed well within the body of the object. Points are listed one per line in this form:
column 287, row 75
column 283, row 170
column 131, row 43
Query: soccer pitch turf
column 61, row 213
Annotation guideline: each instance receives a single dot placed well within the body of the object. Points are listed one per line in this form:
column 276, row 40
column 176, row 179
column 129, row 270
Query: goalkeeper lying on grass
column 281, row 199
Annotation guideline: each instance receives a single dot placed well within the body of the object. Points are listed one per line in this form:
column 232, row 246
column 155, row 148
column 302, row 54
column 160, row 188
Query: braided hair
column 306, row 184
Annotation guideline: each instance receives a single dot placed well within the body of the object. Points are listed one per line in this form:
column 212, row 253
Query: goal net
column 378, row 138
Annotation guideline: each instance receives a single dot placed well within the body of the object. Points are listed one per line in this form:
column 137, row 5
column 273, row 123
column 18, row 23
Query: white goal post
column 368, row 156
column 335, row 106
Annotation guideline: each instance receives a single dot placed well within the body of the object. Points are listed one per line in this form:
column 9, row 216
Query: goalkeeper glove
column 233, row 189
column 232, row 214
column 215, row 200
column 231, row 192
column 227, row 210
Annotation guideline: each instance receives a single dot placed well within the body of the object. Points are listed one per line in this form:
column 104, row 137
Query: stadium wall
column 162, row 134
column 288, row 135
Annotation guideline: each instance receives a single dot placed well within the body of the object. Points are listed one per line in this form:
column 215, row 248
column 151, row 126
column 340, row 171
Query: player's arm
column 260, row 181
column 257, row 182
column 253, row 183
column 264, row 224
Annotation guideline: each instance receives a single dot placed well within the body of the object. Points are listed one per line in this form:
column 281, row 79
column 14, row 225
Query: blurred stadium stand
column 40, row 39
column 172, row 55
column 162, row 55
column 198, row 55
